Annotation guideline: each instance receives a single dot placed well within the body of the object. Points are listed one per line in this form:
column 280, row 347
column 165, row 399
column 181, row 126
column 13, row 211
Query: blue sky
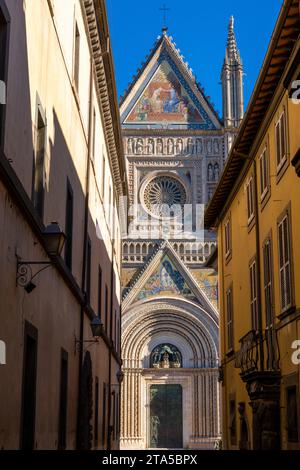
column 199, row 29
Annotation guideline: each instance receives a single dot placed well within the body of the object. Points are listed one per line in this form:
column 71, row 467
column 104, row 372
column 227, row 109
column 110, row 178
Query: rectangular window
column 115, row 328
column 264, row 174
column 27, row 434
column 118, row 336
column 103, row 175
column 228, row 238
column 69, row 226
column 4, row 21
column 106, row 308
column 94, row 135
column 88, row 270
column 110, row 207
column 96, row 423
column 76, row 66
column 285, row 273
column 39, row 163
column 104, row 415
column 253, row 295
column 250, row 199
column 229, row 308
column 63, row 401
column 292, row 413
column 268, row 288
column 281, row 147
column 99, row 291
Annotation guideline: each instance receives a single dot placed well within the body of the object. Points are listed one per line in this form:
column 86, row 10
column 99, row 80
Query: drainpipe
column 83, row 274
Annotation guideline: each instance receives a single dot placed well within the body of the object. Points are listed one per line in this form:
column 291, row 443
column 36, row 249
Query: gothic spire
column 232, row 53
column 232, row 82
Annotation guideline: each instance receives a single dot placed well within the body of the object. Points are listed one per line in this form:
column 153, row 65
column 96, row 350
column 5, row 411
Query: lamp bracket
column 24, row 271
column 79, row 343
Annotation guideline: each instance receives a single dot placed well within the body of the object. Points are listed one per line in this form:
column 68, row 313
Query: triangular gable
column 166, row 276
column 165, row 100
column 166, row 93
column 166, row 280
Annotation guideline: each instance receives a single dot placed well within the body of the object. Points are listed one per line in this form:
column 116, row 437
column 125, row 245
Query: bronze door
column 166, row 416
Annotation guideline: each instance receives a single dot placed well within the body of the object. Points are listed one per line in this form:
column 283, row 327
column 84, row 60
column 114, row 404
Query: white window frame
column 253, row 294
column 285, row 268
column 281, row 147
column 227, row 231
column 250, row 199
column 268, row 281
column 264, row 173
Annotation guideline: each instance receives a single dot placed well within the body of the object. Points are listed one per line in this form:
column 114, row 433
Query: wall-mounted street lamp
column 97, row 331
column 54, row 239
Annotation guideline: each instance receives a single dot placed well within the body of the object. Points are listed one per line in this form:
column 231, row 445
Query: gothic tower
column 232, row 87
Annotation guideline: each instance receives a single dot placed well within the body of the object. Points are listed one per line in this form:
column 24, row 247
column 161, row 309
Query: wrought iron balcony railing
column 258, row 352
column 247, row 358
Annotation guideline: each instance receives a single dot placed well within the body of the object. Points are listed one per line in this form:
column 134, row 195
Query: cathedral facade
column 175, row 149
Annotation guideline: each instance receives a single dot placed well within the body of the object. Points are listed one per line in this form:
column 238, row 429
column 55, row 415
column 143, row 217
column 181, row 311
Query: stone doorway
column 166, row 416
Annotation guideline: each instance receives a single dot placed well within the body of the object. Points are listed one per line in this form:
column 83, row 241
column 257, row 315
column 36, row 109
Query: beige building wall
column 40, row 74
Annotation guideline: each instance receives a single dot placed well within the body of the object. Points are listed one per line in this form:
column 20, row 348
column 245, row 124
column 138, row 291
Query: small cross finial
column 164, row 9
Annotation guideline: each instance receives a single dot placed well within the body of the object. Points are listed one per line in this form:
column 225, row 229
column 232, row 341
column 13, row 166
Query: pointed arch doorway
column 166, row 431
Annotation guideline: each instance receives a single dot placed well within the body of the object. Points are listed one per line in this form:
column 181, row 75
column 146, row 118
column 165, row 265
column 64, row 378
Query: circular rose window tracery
column 164, row 196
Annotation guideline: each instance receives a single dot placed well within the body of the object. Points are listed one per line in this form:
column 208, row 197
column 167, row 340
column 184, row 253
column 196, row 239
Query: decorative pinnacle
column 232, row 52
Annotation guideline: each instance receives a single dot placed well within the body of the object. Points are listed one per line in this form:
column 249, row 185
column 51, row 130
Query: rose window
column 164, row 196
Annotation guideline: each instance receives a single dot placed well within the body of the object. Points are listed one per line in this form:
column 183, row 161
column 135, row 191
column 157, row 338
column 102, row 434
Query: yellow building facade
column 256, row 211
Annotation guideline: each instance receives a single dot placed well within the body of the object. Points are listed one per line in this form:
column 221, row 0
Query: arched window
column 165, row 356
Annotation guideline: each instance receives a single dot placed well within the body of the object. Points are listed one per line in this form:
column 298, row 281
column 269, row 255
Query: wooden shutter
column 284, row 263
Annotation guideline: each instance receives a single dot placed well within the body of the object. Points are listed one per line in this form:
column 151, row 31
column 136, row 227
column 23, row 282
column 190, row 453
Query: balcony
column 257, row 352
